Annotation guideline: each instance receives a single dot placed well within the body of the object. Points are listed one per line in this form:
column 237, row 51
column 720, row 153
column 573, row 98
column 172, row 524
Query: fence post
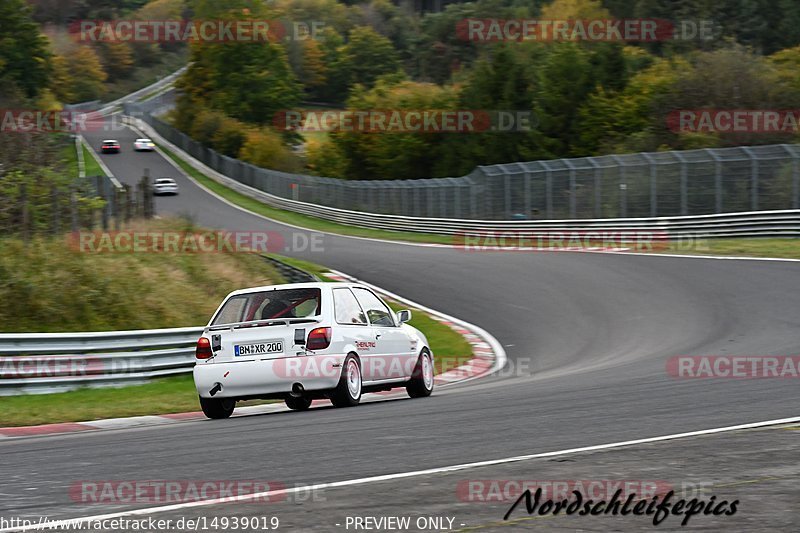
column 653, row 184
column 573, row 190
column 717, row 179
column 684, row 185
column 597, row 187
column 115, row 194
column 548, row 189
column 103, row 185
column 127, row 202
column 753, row 178
column 623, row 187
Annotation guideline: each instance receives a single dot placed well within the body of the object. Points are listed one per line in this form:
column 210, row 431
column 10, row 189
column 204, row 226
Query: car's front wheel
column 348, row 392
column 421, row 383
column 217, row 407
column 299, row 403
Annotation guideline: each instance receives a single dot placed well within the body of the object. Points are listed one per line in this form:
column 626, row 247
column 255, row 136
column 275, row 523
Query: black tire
column 421, row 383
column 298, row 403
column 217, row 407
column 344, row 395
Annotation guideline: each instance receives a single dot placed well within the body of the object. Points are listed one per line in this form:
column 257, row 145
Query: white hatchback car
column 306, row 341
column 144, row 145
column 164, row 186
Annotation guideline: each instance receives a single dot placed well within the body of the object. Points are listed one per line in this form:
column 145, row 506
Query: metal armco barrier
column 676, row 183
column 55, row 362
column 779, row 223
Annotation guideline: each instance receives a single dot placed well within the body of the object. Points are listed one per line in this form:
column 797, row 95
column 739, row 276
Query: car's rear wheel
column 348, row 392
column 217, row 407
column 421, row 383
column 298, row 403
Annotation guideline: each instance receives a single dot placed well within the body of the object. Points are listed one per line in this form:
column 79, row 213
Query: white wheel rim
column 427, row 372
column 353, row 379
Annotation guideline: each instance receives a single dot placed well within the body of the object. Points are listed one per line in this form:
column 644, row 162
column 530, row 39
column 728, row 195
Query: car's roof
column 143, row 139
column 109, row 141
column 307, row 285
column 164, row 179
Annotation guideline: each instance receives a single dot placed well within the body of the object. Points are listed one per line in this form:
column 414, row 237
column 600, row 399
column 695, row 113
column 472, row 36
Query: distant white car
column 164, row 186
column 144, row 145
column 306, row 341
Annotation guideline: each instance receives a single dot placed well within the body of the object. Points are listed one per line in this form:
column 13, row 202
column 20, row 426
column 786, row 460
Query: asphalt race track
column 587, row 338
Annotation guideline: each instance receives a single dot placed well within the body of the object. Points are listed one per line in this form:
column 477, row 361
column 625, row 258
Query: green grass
column 164, row 395
column 93, row 168
column 785, row 248
column 70, row 158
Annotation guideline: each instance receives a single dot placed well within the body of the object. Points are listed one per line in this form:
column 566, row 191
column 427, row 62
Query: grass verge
column 177, row 394
column 786, row 248
column 93, row 168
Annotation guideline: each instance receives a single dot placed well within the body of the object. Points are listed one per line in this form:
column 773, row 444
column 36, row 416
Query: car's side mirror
column 403, row 316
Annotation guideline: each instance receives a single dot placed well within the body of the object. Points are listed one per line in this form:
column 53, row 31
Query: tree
column 117, row 59
column 367, row 56
column 314, row 71
column 565, row 81
column 24, row 55
column 263, row 147
column 79, row 75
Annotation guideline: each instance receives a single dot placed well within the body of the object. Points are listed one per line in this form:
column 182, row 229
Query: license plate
column 260, row 348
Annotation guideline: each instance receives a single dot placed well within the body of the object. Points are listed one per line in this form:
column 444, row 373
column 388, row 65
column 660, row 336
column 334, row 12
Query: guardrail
column 782, row 223
column 56, row 362
column 113, row 106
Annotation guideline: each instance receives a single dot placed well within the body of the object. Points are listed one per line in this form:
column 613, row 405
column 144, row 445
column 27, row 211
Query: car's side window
column 347, row 309
column 232, row 311
column 377, row 312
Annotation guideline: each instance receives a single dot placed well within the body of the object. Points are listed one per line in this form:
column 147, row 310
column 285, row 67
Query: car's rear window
column 274, row 304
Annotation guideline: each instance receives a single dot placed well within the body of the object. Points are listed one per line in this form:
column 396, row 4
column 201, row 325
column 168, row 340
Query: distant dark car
column 110, row 147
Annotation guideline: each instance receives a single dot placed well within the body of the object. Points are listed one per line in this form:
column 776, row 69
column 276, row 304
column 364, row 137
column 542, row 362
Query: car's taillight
column 203, row 348
column 319, row 339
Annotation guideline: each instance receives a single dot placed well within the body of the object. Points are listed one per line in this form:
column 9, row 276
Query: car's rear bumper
column 243, row 379
column 171, row 190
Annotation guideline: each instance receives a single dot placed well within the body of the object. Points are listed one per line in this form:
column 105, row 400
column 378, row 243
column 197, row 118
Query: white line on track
column 54, row 524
